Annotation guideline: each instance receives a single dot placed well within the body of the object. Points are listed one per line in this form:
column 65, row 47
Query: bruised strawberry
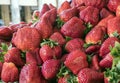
column 26, row 39
column 95, row 36
column 90, row 15
column 105, row 13
column 95, row 63
column 76, row 61
column 50, row 68
column 5, row 33
column 88, row 75
column 44, row 9
column 10, row 72
column 76, row 3
column 113, row 26
column 65, row 5
column 73, row 28
column 58, row 38
column 92, row 49
column 112, row 5
column 30, row 73
column 105, row 47
column 106, row 62
column 67, row 14
column 118, row 11
column 96, row 3
column 13, row 55
column 74, row 44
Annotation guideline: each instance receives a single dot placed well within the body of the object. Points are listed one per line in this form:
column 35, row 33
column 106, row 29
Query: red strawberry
column 24, row 38
column 76, row 61
column 58, row 38
column 88, row 75
column 95, row 36
column 113, row 26
column 105, row 47
column 65, row 5
column 95, row 63
column 74, row 44
column 64, row 57
column 112, row 4
column 50, row 68
column 13, row 55
column 30, row 73
column 1, row 65
column 73, row 28
column 76, row 3
column 44, row 9
column 92, row 49
column 106, row 62
column 5, row 33
column 118, row 11
column 90, row 15
column 67, row 14
column 10, row 72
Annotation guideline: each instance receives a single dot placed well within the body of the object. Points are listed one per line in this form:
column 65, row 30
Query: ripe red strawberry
column 26, row 38
column 58, row 38
column 113, row 26
column 88, row 75
column 74, row 44
column 10, row 72
column 73, row 28
column 49, row 50
column 67, row 14
column 105, row 47
column 77, row 3
column 44, row 9
column 65, row 5
column 13, row 55
column 95, row 36
column 90, row 15
column 106, row 62
column 50, row 68
column 76, row 61
column 92, row 49
column 30, row 73
column 95, row 63
column 5, row 33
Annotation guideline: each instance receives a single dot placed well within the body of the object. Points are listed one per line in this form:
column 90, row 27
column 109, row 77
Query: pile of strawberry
column 76, row 43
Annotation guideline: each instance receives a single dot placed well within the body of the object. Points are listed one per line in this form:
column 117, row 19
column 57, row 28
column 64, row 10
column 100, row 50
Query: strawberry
column 50, row 68
column 67, row 14
column 49, row 50
column 24, row 38
column 113, row 26
column 118, row 10
column 1, row 65
column 9, row 72
column 88, row 75
column 63, row 58
column 44, row 9
column 95, row 63
column 92, row 49
column 95, row 36
column 90, row 15
column 105, row 47
column 74, row 44
column 76, row 61
column 56, row 36
column 77, row 3
column 73, row 28
column 30, row 73
column 5, row 33
column 13, row 55
column 106, row 62
column 65, row 5
column 112, row 5
column 96, row 3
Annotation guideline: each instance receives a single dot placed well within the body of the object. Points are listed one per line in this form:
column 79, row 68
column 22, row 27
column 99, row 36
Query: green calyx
column 49, row 42
column 113, row 74
column 59, row 23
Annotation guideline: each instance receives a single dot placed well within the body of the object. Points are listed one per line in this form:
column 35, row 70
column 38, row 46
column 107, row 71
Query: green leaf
column 116, row 34
column 87, row 45
column 59, row 23
column 67, row 38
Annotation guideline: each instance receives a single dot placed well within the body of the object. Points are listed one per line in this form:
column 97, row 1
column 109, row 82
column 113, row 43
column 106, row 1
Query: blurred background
column 14, row 11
